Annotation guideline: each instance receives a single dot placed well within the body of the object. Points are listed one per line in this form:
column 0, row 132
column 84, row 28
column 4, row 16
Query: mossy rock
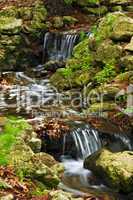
column 116, row 169
column 11, row 130
column 10, row 25
column 119, row 2
column 117, row 8
column 116, row 26
column 96, row 11
column 102, row 107
column 124, row 77
column 58, row 22
column 127, row 62
column 107, row 52
column 69, row 20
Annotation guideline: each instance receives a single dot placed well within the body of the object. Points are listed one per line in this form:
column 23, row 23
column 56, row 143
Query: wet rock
column 124, row 78
column 116, row 169
column 54, row 65
column 120, row 2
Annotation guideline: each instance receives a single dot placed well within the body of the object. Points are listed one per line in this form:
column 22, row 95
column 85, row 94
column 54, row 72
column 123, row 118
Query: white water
column 59, row 46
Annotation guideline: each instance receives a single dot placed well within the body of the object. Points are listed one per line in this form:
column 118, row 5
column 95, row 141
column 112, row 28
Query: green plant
column 8, row 137
column 106, row 74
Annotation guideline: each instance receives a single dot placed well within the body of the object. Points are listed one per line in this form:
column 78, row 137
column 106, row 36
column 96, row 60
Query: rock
column 37, row 166
column 69, row 20
column 107, row 51
column 129, row 8
column 10, row 25
column 58, row 22
column 102, row 107
column 7, row 197
column 123, row 28
column 61, row 195
column 124, row 78
column 35, row 144
column 129, row 46
column 44, row 158
column 117, row 8
column 116, row 169
column 119, row 2
column 127, row 62
column 20, row 159
column 54, row 65
column 101, row 10
column 116, row 26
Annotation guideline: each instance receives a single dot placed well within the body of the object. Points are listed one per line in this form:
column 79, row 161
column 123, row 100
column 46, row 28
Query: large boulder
column 116, row 26
column 116, row 169
column 107, row 51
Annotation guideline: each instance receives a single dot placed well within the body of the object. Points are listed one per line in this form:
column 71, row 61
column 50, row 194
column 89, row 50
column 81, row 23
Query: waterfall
column 85, row 141
column 59, row 46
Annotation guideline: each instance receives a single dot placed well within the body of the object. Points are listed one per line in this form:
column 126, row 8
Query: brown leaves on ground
column 53, row 128
column 18, row 189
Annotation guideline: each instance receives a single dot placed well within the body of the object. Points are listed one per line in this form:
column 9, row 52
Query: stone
column 129, row 8
column 117, row 8
column 7, row 197
column 58, row 22
column 116, row 169
column 116, row 26
column 127, row 62
column 61, row 195
column 10, row 25
column 107, row 52
column 69, row 20
column 35, row 144
column 129, row 47
column 122, row 29
column 124, row 78
column 44, row 158
column 96, row 11
column 119, row 2
column 102, row 107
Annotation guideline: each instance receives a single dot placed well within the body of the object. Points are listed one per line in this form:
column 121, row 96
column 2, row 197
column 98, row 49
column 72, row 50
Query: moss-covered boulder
column 10, row 25
column 59, row 195
column 116, row 26
column 58, row 22
column 116, row 169
column 107, row 52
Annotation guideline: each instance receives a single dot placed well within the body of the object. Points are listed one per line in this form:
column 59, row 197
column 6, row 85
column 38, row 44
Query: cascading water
column 87, row 141
column 59, row 46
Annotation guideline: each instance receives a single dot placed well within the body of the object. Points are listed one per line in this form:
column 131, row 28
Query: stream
column 36, row 99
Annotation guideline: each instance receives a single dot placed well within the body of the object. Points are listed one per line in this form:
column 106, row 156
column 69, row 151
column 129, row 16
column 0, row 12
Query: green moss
column 13, row 128
column 107, row 74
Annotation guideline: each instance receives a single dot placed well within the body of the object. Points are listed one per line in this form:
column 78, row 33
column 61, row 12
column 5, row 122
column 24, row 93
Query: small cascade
column 59, row 46
column 87, row 141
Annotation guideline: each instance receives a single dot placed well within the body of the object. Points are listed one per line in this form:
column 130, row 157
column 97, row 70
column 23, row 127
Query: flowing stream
column 38, row 96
